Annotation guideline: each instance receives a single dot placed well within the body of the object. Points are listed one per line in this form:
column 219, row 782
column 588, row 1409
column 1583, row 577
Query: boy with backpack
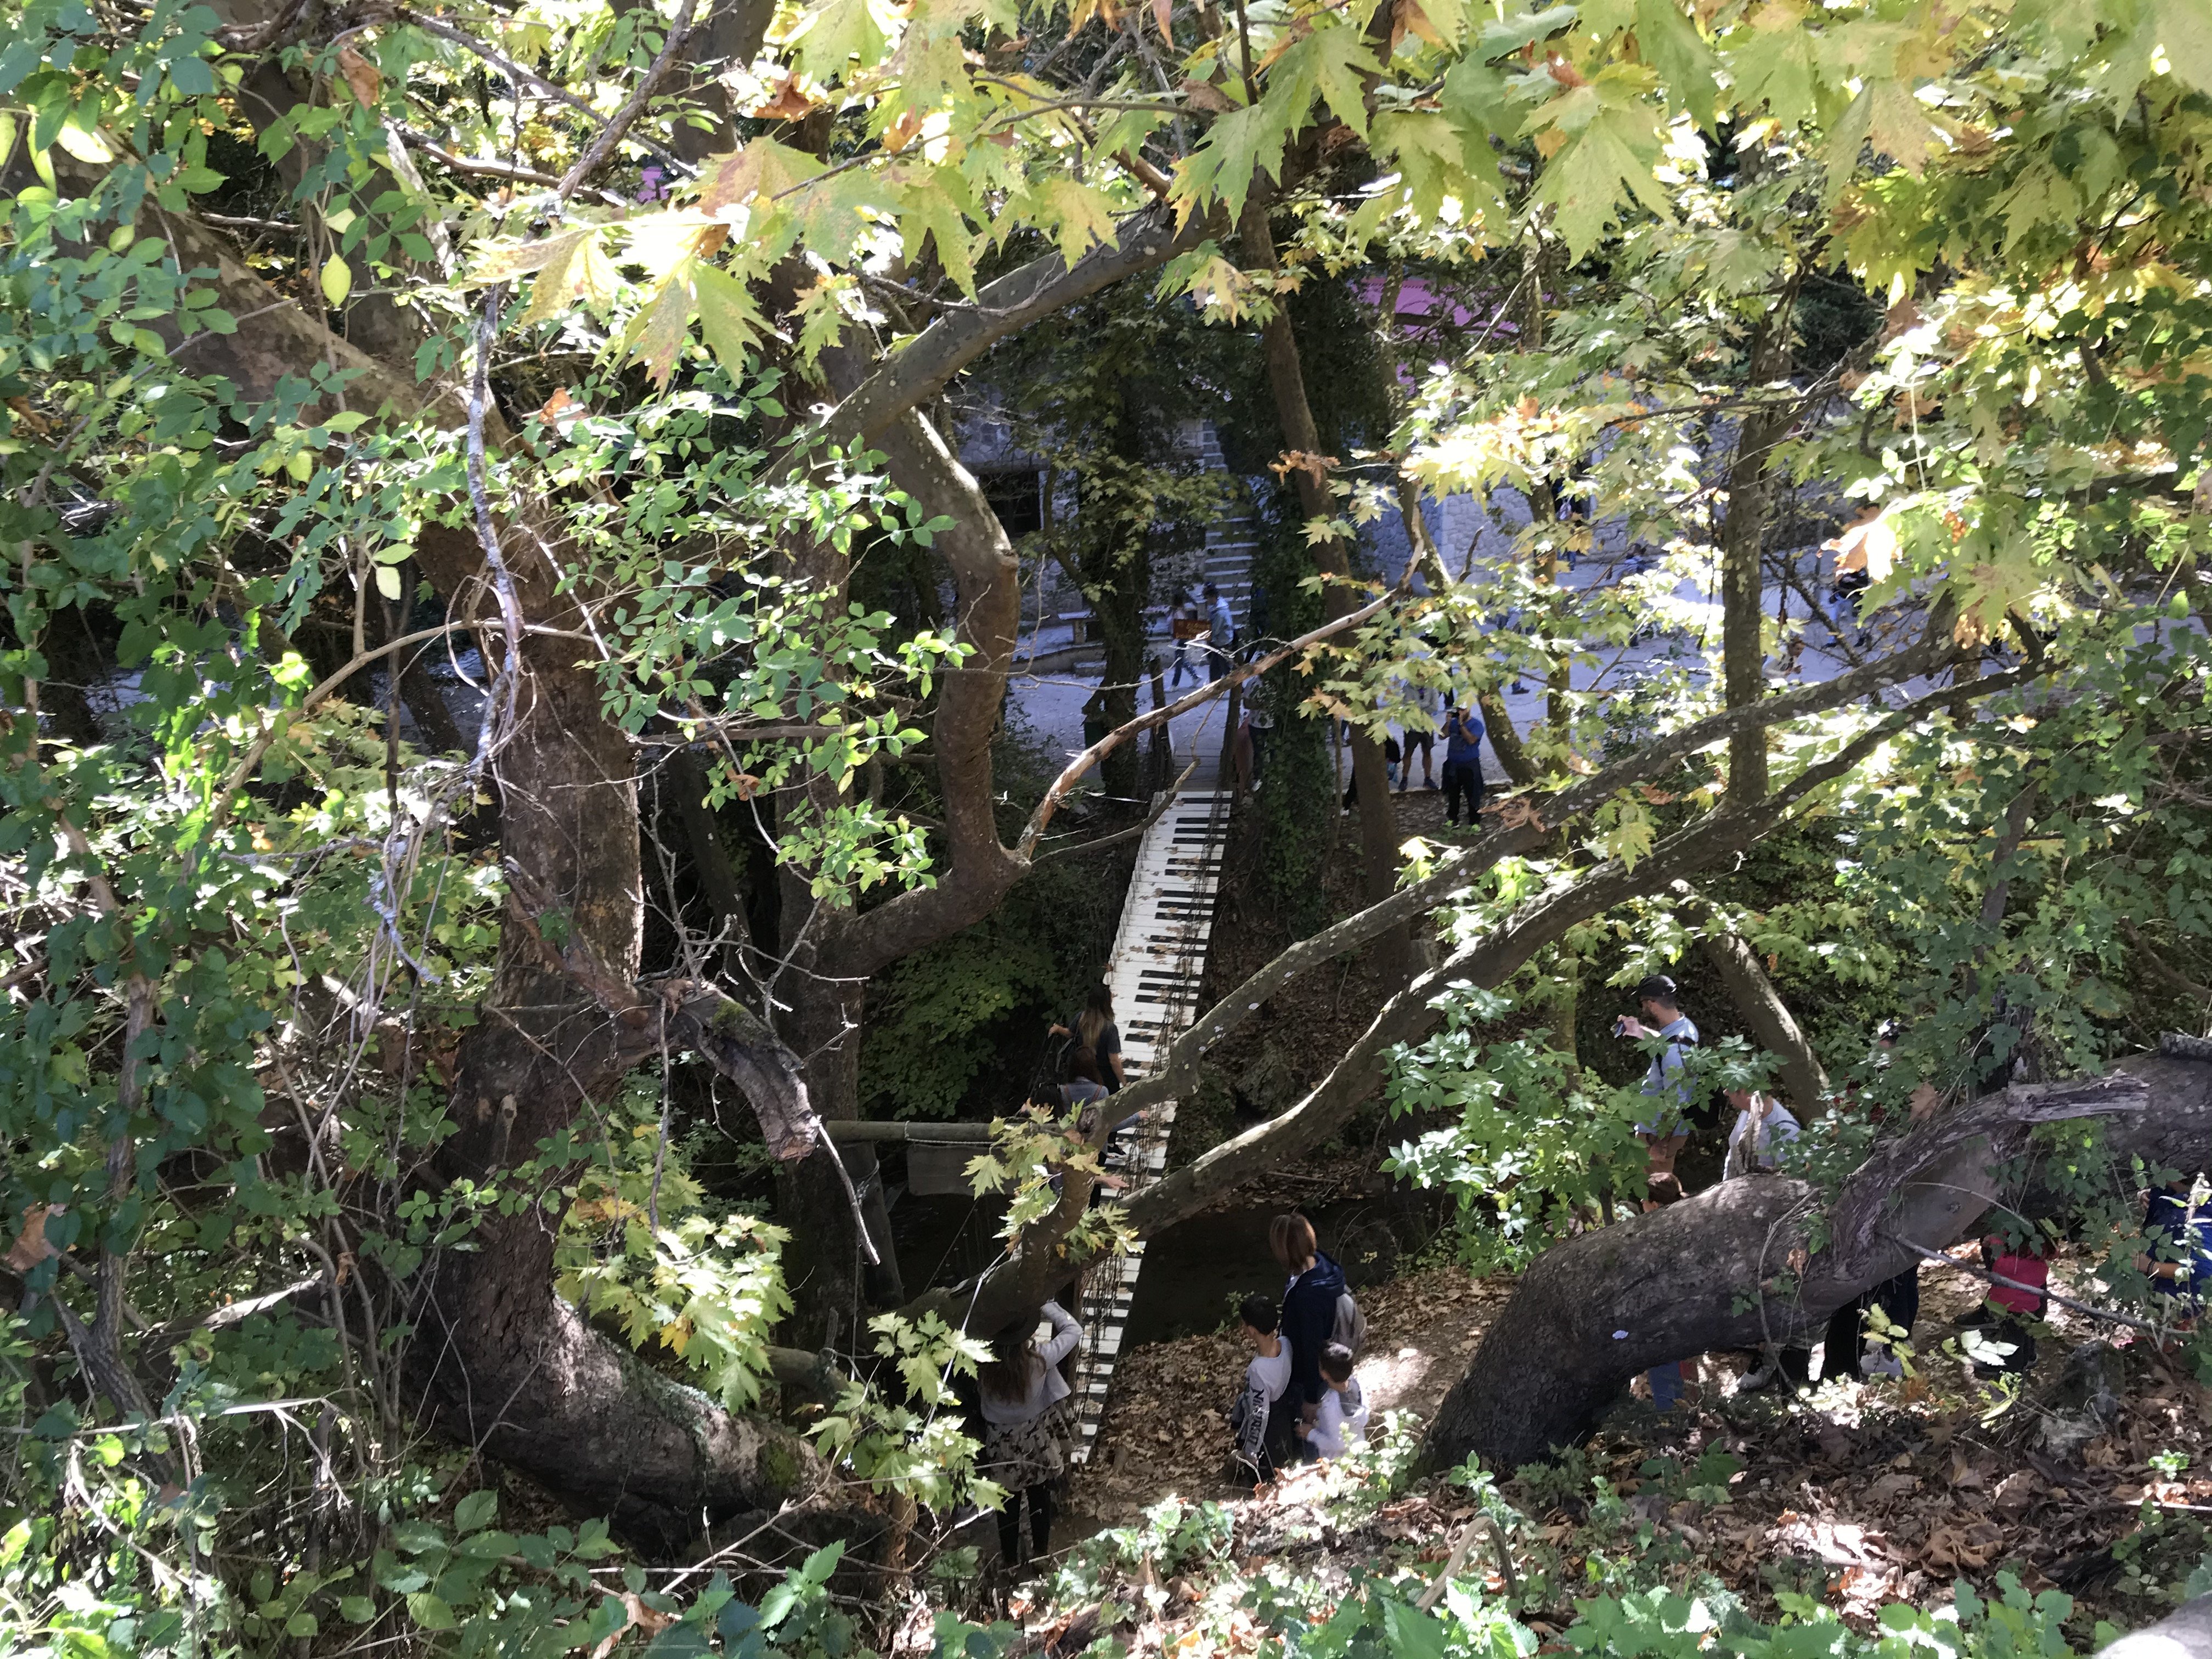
column 1263, row 1420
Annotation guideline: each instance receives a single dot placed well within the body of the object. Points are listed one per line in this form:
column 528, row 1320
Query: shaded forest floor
column 2093, row 1475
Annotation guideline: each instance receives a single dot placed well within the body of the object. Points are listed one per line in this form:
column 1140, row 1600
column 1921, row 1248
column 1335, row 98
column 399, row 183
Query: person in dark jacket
column 1309, row 1318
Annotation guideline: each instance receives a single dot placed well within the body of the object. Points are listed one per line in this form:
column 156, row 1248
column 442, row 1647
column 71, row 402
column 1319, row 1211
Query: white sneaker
column 1880, row 1361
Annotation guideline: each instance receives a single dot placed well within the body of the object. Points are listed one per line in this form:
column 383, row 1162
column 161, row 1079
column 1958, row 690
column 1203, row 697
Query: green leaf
column 430, row 1612
column 1668, row 39
column 1510, row 34
column 1239, row 144
column 578, row 270
column 337, row 280
column 928, row 212
column 504, row 261
column 1332, row 62
column 763, row 169
column 1078, row 216
column 727, row 317
column 657, row 334
column 1845, row 139
column 1772, row 62
column 2184, row 30
column 356, row 1609
column 476, row 1510
column 1606, row 160
column 837, row 33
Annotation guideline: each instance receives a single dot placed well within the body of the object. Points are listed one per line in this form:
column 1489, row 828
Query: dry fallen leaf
column 789, row 104
column 365, row 79
column 30, row 1247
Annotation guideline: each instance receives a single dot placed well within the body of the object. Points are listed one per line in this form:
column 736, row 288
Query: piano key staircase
column 1154, row 973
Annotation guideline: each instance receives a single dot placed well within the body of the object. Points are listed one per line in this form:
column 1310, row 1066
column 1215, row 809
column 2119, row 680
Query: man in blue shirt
column 1665, row 1125
column 1463, row 729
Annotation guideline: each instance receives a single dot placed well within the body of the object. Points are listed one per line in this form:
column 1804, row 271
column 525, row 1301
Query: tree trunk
column 1378, row 817
column 1771, row 1023
column 1742, row 541
column 1728, row 1268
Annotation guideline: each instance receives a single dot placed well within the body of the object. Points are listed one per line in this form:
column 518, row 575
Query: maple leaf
column 1204, row 95
column 1516, row 812
column 835, row 210
column 2184, row 33
column 502, row 262
column 839, row 33
column 821, row 315
column 1668, row 39
column 1609, row 145
column 1238, row 145
column 1899, row 126
column 1512, row 35
column 1772, row 62
column 1868, row 543
column 31, row 1246
column 1333, row 63
column 728, row 317
column 1078, row 216
column 763, row 169
column 789, row 104
column 928, row 213
column 1318, row 467
column 580, row 269
column 656, row 336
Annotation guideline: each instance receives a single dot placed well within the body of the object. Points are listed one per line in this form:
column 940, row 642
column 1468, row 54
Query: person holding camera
column 1462, row 734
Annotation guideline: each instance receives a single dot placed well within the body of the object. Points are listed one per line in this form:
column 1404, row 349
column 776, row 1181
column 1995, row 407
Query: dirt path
column 1166, row 1430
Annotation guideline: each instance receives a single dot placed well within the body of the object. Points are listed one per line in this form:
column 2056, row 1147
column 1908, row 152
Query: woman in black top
column 1094, row 1029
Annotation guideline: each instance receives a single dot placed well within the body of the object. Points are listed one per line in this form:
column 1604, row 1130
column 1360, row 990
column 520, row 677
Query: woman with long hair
column 1094, row 1029
column 1026, row 1422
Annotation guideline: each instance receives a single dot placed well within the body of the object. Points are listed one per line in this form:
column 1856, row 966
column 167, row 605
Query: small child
column 1258, row 1419
column 1342, row 1419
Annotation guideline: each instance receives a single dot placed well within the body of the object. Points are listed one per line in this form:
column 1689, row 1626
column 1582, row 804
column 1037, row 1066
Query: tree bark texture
column 1729, row 1268
column 1378, row 817
column 1772, row 1025
column 1742, row 542
column 499, row 1360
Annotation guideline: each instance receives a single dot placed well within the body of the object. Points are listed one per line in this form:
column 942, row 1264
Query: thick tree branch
column 1004, row 307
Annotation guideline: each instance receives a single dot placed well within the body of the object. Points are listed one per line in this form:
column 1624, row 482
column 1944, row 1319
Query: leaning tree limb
column 1024, row 1277
column 1531, row 826
column 1774, row 1027
column 1763, row 1256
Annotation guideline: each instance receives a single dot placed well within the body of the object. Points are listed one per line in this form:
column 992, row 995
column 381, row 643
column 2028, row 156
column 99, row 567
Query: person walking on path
column 1463, row 729
column 1423, row 716
column 1094, row 1029
column 1342, row 1423
column 1309, row 1305
column 1665, row 1125
column 1026, row 1419
column 1261, row 1420
column 1221, row 629
column 1183, row 624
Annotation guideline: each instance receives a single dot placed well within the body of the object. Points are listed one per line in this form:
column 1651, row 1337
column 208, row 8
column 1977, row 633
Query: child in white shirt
column 1260, row 1420
column 1342, row 1419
